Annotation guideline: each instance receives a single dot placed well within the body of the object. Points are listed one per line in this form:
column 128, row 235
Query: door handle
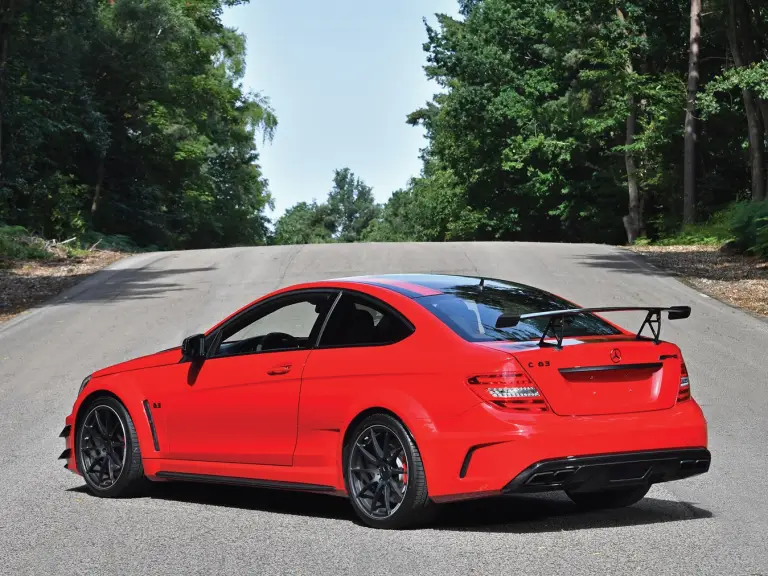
column 279, row 369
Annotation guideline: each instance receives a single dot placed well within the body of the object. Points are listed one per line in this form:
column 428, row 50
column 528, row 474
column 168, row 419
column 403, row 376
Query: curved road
column 713, row 524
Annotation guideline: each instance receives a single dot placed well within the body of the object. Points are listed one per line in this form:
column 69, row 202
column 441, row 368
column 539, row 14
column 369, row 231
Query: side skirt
column 250, row 482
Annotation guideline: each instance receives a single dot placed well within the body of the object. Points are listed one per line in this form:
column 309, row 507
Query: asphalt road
column 712, row 524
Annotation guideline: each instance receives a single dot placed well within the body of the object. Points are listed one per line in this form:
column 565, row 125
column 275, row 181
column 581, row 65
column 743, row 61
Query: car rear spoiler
column 557, row 318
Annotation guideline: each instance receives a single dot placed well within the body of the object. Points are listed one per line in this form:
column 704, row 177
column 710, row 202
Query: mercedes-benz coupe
column 400, row 392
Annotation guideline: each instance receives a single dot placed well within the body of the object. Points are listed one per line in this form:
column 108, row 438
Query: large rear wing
column 556, row 323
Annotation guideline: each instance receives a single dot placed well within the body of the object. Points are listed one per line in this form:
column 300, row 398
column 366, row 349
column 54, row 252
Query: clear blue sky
column 341, row 76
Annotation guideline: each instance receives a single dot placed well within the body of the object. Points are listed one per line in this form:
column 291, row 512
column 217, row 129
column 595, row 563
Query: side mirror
column 193, row 347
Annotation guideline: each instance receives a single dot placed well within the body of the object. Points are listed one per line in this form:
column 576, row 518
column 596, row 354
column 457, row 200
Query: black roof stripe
column 394, row 288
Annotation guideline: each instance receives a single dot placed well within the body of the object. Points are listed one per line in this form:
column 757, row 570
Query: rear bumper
column 606, row 471
column 487, row 452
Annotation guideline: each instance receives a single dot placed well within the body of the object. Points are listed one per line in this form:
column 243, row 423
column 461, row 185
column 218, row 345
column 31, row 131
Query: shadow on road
column 624, row 261
column 133, row 284
column 556, row 513
column 516, row 514
column 705, row 264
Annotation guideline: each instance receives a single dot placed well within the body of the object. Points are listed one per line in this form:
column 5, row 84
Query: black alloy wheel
column 108, row 454
column 379, row 471
column 384, row 474
column 102, row 447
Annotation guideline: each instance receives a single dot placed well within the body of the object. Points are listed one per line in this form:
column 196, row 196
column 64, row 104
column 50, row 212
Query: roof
column 419, row 285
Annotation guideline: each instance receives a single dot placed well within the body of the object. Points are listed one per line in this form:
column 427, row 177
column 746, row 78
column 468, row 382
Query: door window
column 287, row 323
column 362, row 321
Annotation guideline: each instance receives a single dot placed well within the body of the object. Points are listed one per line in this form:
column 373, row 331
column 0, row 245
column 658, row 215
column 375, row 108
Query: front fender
column 126, row 387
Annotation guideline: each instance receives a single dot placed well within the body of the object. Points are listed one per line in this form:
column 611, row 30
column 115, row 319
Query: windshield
column 471, row 311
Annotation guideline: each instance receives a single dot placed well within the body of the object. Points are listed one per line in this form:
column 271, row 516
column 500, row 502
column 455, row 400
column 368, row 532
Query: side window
column 358, row 321
column 290, row 323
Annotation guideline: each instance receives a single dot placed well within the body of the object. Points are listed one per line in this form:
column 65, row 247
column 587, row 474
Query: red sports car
column 400, row 392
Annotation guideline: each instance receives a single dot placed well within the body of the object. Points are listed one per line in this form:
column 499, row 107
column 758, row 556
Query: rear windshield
column 471, row 311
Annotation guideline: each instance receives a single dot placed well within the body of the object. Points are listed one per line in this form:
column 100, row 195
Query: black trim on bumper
column 594, row 473
column 66, row 431
column 65, row 455
column 470, row 453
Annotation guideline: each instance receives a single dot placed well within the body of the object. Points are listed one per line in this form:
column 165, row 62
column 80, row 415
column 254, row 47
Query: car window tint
column 358, row 321
column 288, row 323
column 295, row 319
column 471, row 311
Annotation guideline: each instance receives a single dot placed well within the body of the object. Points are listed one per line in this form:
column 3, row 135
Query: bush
column 117, row 242
column 749, row 226
column 714, row 232
column 17, row 244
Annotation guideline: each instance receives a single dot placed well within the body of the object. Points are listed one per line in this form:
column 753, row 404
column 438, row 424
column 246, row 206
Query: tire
column 615, row 498
column 415, row 507
column 98, row 460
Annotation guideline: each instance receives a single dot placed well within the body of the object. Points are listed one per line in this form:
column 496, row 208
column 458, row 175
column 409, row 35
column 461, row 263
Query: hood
column 162, row 358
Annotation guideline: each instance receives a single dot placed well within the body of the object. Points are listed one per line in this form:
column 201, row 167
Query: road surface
column 713, row 524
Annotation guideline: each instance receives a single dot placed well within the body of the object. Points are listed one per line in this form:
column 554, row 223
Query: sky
column 341, row 76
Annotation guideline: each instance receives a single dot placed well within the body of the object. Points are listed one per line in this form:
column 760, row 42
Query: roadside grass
column 714, row 232
column 705, row 257
column 33, row 269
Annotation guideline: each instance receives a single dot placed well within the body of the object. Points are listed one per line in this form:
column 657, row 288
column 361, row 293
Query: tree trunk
column 6, row 18
column 747, row 19
column 755, row 131
column 754, row 124
column 763, row 106
column 689, row 162
column 632, row 220
column 97, row 191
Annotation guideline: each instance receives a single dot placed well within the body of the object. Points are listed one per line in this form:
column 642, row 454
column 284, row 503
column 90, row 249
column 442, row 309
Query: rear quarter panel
column 420, row 380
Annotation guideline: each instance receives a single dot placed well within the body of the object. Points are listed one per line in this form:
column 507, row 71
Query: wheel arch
column 365, row 414
column 129, row 396
column 89, row 399
column 415, row 427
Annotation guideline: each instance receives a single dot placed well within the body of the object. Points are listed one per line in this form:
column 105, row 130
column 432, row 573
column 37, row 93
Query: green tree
column 349, row 210
column 128, row 118
column 563, row 119
column 305, row 224
column 352, row 205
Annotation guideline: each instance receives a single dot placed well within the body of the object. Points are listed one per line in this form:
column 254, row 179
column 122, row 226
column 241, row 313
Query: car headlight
column 84, row 384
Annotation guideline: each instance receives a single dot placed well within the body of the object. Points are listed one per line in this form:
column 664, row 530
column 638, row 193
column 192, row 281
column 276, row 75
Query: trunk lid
column 591, row 377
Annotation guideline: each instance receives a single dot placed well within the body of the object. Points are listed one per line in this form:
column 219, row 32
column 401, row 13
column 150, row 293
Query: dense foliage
column 563, row 120
column 557, row 120
column 344, row 217
column 749, row 226
column 534, row 121
column 127, row 118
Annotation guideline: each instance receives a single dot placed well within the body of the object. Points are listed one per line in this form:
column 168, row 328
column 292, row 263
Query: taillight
column 510, row 389
column 684, row 392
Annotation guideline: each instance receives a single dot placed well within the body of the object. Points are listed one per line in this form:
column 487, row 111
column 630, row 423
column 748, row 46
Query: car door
column 240, row 404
